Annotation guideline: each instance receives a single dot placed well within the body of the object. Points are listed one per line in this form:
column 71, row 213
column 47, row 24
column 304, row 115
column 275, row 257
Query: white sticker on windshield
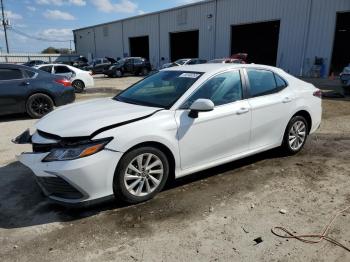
column 189, row 75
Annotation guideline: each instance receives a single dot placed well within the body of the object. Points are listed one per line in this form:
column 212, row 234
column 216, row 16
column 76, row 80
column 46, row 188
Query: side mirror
column 200, row 105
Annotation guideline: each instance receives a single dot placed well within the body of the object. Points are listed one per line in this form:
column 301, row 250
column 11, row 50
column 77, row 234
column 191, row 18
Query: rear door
column 13, row 89
column 272, row 103
column 63, row 70
column 129, row 65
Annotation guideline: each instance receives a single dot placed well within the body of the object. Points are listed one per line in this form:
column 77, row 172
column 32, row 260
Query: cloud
column 31, row 8
column 53, row 33
column 58, row 15
column 61, row 2
column 141, row 12
column 12, row 15
column 122, row 6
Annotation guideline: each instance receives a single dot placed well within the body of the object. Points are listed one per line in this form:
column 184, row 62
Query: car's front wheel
column 38, row 105
column 295, row 135
column 118, row 73
column 140, row 175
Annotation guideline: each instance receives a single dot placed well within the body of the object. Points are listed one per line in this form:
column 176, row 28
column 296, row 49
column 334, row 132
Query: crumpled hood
column 84, row 118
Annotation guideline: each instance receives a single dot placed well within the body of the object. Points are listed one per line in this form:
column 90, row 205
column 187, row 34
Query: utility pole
column 4, row 23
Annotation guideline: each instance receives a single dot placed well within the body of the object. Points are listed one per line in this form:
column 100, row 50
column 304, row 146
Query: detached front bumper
column 75, row 182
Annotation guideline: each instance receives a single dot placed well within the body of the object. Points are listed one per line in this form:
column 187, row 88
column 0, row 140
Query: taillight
column 318, row 93
column 64, row 82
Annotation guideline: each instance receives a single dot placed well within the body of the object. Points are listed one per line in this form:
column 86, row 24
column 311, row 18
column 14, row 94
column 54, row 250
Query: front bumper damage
column 77, row 182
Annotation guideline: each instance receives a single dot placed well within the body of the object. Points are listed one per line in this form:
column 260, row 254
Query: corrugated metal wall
column 143, row 26
column 306, row 30
column 186, row 19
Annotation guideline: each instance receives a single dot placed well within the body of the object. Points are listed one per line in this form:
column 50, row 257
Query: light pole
column 5, row 24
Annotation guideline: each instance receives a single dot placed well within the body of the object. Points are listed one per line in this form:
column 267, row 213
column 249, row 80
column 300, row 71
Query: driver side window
column 221, row 89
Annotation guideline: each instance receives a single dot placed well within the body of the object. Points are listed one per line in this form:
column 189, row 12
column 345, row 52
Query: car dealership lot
column 211, row 216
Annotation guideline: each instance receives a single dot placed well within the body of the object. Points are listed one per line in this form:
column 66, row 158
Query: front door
column 12, row 89
column 223, row 132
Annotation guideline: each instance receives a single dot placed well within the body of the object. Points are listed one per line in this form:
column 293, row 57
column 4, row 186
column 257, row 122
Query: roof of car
column 6, row 65
column 206, row 68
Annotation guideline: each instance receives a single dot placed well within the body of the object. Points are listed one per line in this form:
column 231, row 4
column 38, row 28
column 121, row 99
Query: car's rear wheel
column 140, row 175
column 144, row 71
column 295, row 135
column 78, row 86
column 118, row 73
column 38, row 105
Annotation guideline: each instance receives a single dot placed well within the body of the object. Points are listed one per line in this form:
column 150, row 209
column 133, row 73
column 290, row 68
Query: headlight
column 77, row 151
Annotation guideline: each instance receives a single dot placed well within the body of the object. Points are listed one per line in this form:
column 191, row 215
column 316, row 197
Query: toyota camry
column 173, row 123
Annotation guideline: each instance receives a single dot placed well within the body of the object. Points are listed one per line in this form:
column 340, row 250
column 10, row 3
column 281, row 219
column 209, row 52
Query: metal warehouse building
column 285, row 33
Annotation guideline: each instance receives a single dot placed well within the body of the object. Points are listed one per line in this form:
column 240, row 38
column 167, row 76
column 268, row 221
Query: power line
column 38, row 38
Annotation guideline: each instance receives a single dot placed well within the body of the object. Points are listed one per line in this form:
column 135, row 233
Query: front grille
column 58, row 187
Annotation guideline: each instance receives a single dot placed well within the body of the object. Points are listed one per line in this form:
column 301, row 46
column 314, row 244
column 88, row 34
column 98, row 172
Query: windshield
column 161, row 89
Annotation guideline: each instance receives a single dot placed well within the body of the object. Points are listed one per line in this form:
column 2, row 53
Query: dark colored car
column 34, row 63
column 100, row 65
column 226, row 61
column 25, row 89
column 130, row 65
column 80, row 62
column 345, row 76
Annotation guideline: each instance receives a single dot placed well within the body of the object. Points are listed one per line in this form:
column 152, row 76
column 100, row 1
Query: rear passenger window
column 10, row 74
column 280, row 82
column 30, row 74
column 262, row 82
column 62, row 70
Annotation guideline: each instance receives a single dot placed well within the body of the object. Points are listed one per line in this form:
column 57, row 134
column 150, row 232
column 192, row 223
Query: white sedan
column 171, row 124
column 79, row 78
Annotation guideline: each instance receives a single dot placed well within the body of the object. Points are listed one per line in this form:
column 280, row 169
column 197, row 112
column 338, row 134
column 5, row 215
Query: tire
column 298, row 130
column 78, row 86
column 142, row 185
column 144, row 71
column 118, row 73
column 38, row 105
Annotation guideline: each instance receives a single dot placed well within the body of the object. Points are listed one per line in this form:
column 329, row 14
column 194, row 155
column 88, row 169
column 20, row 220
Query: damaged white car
column 173, row 123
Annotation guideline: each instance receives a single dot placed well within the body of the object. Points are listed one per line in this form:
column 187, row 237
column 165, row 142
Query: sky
column 33, row 21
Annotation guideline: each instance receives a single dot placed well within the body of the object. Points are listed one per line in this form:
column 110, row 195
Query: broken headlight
column 77, row 151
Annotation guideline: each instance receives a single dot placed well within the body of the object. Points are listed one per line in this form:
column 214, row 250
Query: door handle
column 243, row 110
column 287, row 100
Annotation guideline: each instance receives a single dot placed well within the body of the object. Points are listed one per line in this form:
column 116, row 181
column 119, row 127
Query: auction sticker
column 189, row 75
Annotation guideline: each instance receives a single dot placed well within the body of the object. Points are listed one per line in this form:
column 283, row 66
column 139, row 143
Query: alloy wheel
column 41, row 106
column 143, row 174
column 297, row 135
